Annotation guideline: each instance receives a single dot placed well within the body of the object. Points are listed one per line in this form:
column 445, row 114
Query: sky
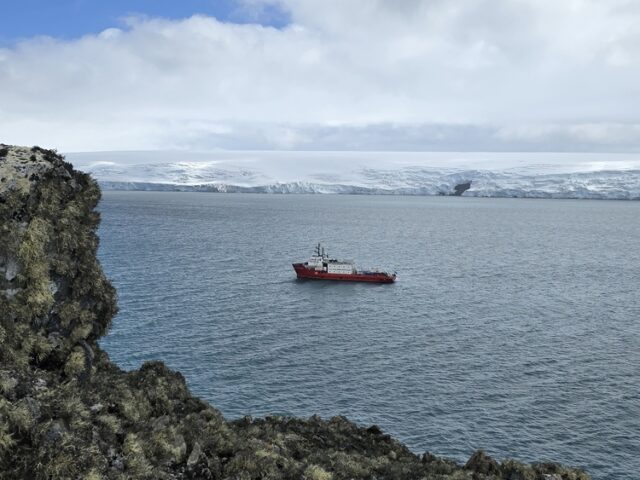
column 362, row 75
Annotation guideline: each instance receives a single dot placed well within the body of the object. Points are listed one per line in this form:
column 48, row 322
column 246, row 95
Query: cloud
column 406, row 74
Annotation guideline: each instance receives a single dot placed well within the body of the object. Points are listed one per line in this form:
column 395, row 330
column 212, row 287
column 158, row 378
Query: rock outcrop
column 67, row 412
column 459, row 189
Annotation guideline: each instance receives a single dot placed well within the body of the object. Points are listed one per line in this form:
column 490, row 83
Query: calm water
column 514, row 325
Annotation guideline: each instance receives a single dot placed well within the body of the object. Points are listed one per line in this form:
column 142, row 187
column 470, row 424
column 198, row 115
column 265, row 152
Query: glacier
column 522, row 175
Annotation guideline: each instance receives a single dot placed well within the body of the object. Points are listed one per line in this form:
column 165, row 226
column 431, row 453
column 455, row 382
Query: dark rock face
column 480, row 462
column 461, row 188
column 66, row 412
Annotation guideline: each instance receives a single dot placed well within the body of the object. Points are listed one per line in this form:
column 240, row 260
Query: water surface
column 513, row 326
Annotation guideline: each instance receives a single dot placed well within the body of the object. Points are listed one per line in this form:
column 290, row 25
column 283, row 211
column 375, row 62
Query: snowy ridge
column 566, row 176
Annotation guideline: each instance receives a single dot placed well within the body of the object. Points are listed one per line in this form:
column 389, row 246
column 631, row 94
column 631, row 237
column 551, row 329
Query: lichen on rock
column 67, row 412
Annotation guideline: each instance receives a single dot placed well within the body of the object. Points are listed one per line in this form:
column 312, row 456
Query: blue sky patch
column 68, row 19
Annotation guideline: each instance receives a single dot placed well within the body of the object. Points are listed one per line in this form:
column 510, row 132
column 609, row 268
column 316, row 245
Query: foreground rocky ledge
column 67, row 412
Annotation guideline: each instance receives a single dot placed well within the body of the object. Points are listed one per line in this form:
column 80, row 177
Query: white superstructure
column 320, row 261
column 341, row 267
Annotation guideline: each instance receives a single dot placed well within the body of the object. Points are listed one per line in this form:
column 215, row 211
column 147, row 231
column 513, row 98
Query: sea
column 514, row 325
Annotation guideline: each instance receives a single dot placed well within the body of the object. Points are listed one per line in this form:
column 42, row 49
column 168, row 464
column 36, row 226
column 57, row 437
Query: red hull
column 304, row 272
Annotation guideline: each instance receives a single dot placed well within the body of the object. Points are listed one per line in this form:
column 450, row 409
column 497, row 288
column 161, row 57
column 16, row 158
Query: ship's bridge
column 315, row 261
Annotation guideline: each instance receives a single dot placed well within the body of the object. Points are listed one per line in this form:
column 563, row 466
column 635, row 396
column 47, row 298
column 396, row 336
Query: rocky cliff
column 67, row 412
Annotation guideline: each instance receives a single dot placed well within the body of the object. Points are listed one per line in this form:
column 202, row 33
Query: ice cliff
column 520, row 175
column 67, row 412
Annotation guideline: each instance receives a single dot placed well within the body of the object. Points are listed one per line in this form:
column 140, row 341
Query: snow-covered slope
column 490, row 175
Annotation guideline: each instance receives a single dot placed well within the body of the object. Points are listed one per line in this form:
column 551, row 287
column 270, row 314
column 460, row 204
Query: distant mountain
column 581, row 177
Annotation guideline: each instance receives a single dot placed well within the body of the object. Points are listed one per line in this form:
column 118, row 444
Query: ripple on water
column 512, row 327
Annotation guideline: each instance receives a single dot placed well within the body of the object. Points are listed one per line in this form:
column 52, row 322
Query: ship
column 321, row 267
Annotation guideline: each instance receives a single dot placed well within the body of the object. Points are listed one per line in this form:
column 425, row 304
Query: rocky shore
column 67, row 412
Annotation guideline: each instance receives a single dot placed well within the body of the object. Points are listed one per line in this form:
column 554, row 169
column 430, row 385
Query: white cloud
column 405, row 74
